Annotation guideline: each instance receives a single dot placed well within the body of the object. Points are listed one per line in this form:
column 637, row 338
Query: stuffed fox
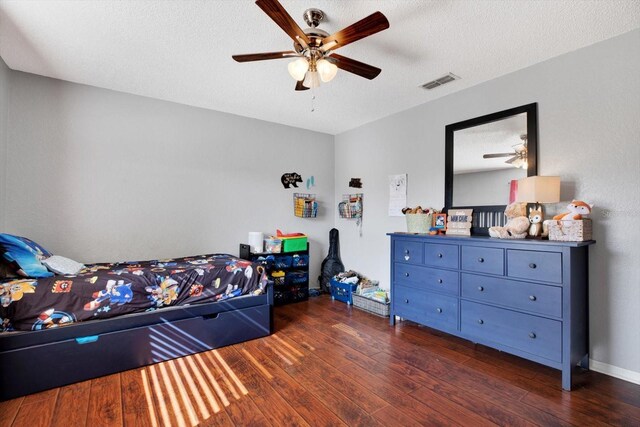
column 577, row 210
column 535, row 218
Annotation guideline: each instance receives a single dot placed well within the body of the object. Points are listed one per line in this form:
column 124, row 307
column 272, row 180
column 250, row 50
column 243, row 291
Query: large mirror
column 484, row 156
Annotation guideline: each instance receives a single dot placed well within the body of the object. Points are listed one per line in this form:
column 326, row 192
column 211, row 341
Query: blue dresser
column 525, row 297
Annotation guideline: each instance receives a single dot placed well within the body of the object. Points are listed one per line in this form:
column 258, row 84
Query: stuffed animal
column 517, row 224
column 577, row 210
column 535, row 218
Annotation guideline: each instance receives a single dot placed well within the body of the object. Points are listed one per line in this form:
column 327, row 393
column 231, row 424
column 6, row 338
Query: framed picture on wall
column 440, row 221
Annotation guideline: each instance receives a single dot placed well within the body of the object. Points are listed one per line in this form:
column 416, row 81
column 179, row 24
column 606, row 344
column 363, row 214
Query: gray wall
column 4, row 109
column 99, row 175
column 589, row 111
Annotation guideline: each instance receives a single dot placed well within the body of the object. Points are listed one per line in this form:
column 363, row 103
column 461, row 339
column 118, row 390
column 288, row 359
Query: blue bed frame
column 39, row 360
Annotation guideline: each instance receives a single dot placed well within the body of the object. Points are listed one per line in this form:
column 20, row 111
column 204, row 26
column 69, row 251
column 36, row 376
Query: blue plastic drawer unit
column 342, row 291
column 525, row 297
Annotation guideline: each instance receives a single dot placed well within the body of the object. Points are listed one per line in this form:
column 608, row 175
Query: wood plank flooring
column 331, row 365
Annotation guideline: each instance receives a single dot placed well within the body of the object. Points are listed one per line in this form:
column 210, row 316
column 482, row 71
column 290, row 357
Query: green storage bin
column 294, row 244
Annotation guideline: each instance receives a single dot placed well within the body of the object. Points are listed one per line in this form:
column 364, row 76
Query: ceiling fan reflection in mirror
column 314, row 48
column 518, row 157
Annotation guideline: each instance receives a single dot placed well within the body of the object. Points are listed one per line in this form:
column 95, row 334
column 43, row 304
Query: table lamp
column 539, row 189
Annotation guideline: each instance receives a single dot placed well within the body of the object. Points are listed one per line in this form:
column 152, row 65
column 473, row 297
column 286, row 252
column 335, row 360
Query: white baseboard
column 614, row 371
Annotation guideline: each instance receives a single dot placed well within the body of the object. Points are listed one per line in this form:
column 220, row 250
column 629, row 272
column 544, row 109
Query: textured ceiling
column 181, row 50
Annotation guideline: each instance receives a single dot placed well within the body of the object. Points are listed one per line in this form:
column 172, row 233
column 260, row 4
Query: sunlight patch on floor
column 189, row 390
column 347, row 330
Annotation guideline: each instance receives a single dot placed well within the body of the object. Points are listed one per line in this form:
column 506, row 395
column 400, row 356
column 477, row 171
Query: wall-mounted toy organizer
column 350, row 206
column 305, row 205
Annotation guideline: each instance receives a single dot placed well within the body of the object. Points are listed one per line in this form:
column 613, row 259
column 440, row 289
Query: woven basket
column 418, row 223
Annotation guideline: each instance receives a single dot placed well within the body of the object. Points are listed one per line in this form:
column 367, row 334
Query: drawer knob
column 480, row 321
column 532, row 335
column 406, row 301
column 406, row 274
column 439, row 255
column 406, row 252
column 439, row 280
column 532, row 297
column 481, row 288
column 439, row 310
column 481, row 259
column 532, row 265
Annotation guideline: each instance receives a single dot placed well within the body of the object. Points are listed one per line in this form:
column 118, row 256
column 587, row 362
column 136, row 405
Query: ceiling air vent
column 440, row 81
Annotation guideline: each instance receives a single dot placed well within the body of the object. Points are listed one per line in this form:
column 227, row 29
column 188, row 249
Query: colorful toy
column 577, row 210
column 517, row 224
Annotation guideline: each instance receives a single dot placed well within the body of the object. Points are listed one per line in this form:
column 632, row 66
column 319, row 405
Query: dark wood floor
column 328, row 364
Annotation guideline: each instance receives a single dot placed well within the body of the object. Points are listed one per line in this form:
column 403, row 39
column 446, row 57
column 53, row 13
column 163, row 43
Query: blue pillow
column 26, row 254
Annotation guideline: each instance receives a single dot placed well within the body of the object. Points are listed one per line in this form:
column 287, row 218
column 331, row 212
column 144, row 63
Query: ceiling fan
column 518, row 157
column 315, row 48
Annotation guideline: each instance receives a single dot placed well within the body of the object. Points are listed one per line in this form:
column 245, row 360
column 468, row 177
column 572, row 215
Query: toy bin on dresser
column 287, row 272
column 524, row 297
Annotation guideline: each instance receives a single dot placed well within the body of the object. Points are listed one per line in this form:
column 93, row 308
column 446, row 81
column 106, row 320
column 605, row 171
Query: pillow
column 61, row 265
column 25, row 255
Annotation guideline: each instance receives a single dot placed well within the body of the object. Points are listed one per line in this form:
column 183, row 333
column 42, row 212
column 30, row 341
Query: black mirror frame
column 484, row 216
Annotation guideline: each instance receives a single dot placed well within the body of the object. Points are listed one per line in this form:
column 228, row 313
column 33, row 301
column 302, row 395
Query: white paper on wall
column 397, row 194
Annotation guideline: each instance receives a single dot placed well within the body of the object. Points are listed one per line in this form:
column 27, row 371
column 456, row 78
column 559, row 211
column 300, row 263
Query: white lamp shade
column 298, row 68
column 312, row 79
column 327, row 70
column 539, row 189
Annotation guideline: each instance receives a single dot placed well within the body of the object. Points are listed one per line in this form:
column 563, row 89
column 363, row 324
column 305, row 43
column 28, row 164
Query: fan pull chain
column 313, row 99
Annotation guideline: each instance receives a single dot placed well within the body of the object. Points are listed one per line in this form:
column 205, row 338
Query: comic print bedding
column 101, row 291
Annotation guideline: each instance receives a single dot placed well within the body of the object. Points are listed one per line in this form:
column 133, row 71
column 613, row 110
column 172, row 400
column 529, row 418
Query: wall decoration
column 311, row 182
column 289, row 179
column 355, row 183
column 397, row 194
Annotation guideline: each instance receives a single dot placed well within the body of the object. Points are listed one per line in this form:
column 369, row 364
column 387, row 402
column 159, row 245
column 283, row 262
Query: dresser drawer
column 438, row 255
column 544, row 266
column 532, row 334
column 408, row 251
column 483, row 260
column 540, row 299
column 424, row 307
column 427, row 278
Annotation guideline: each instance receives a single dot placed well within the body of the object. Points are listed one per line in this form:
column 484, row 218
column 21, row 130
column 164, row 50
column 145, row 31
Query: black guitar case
column 332, row 264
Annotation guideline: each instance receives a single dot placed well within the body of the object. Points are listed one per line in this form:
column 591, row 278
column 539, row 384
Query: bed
column 109, row 318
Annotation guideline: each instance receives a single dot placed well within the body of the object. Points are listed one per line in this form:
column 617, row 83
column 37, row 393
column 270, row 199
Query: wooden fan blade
column 493, row 156
column 263, row 56
column 356, row 67
column 282, row 18
column 372, row 24
column 299, row 86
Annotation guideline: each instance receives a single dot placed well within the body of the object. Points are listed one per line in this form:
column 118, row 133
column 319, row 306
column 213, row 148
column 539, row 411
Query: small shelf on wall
column 351, row 206
column 305, row 205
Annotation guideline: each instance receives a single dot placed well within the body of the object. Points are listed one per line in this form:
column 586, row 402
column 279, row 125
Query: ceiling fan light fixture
column 327, row 70
column 298, row 68
column 519, row 163
column 311, row 80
